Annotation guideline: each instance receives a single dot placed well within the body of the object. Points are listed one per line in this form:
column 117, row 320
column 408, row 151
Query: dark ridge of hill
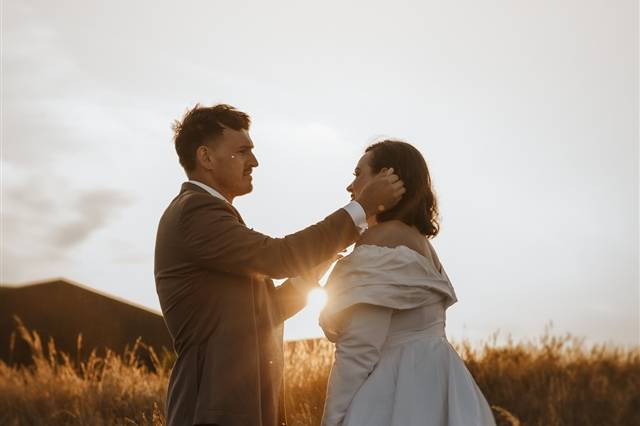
column 62, row 309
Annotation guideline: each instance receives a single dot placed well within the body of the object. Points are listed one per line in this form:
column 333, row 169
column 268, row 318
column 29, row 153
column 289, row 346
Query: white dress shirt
column 209, row 189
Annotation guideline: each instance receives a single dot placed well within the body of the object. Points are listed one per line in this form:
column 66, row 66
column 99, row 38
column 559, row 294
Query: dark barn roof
column 62, row 309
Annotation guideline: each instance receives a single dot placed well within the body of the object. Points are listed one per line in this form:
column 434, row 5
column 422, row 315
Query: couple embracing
column 387, row 299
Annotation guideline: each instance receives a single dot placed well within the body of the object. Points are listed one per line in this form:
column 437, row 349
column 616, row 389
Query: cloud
column 44, row 217
column 71, row 144
column 38, row 73
column 93, row 210
column 58, row 126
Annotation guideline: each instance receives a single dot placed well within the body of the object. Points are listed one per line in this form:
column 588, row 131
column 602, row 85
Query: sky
column 526, row 112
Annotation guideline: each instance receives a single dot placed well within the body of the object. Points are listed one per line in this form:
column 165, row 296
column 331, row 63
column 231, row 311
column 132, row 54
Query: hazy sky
column 526, row 111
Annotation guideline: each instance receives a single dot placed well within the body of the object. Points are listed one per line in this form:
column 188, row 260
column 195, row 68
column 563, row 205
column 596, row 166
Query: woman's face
column 363, row 175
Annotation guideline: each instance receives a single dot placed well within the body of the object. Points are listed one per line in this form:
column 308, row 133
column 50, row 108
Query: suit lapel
column 188, row 186
column 237, row 214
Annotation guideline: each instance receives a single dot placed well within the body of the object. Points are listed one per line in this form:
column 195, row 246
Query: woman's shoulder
column 385, row 269
column 392, row 234
column 391, row 250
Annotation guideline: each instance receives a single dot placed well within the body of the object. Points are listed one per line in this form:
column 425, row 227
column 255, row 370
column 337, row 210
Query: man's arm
column 217, row 240
column 290, row 297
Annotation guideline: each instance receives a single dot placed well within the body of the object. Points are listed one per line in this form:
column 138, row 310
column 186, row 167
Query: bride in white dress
column 386, row 314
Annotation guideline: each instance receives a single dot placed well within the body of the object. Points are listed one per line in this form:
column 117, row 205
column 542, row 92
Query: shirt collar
column 209, row 190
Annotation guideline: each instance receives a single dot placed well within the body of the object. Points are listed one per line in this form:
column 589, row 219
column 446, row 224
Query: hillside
column 61, row 309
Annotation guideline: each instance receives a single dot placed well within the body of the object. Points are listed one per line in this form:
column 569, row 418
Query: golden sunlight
column 316, row 299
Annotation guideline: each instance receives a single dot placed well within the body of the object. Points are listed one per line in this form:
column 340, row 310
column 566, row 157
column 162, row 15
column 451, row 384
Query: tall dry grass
column 551, row 381
column 114, row 389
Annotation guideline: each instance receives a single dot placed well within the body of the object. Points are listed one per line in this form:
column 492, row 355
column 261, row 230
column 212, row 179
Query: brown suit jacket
column 225, row 316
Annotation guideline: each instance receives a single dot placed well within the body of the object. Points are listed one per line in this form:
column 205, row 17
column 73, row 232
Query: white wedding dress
column 393, row 364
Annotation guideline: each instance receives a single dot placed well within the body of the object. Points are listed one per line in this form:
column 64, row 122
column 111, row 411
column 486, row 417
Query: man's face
column 231, row 163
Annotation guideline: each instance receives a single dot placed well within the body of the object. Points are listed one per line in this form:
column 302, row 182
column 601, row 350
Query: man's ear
column 204, row 157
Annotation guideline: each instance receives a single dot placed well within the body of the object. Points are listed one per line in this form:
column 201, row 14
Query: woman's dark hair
column 201, row 125
column 418, row 206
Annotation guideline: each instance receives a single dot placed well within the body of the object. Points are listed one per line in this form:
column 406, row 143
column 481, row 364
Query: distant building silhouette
column 62, row 309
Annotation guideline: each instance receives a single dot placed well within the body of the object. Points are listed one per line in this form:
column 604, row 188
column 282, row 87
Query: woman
column 386, row 314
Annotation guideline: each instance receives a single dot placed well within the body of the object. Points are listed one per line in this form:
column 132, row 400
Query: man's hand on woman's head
column 383, row 192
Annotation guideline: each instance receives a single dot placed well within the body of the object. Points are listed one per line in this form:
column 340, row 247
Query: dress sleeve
column 357, row 353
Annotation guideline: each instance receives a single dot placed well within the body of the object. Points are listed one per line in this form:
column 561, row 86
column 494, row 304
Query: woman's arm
column 357, row 353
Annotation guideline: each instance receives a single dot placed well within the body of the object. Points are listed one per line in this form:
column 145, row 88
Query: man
column 213, row 276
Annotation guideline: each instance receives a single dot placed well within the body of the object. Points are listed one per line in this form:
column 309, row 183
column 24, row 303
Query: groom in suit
column 213, row 275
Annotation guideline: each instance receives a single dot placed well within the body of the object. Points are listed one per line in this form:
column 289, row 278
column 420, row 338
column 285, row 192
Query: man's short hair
column 201, row 125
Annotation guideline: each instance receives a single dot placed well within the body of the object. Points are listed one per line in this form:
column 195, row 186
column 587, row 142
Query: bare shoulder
column 393, row 234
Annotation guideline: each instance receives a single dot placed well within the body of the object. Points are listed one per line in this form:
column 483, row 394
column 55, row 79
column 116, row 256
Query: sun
column 316, row 299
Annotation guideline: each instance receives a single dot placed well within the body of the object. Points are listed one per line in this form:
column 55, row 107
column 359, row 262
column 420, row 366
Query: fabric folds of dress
column 397, row 278
column 394, row 366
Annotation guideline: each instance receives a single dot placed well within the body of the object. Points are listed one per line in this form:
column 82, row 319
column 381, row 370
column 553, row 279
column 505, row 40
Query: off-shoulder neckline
column 402, row 246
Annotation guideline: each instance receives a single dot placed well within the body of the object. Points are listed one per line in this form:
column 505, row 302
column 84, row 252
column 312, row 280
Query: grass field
column 547, row 382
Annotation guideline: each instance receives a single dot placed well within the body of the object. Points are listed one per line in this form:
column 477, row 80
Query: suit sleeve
column 288, row 299
column 215, row 239
column 357, row 353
